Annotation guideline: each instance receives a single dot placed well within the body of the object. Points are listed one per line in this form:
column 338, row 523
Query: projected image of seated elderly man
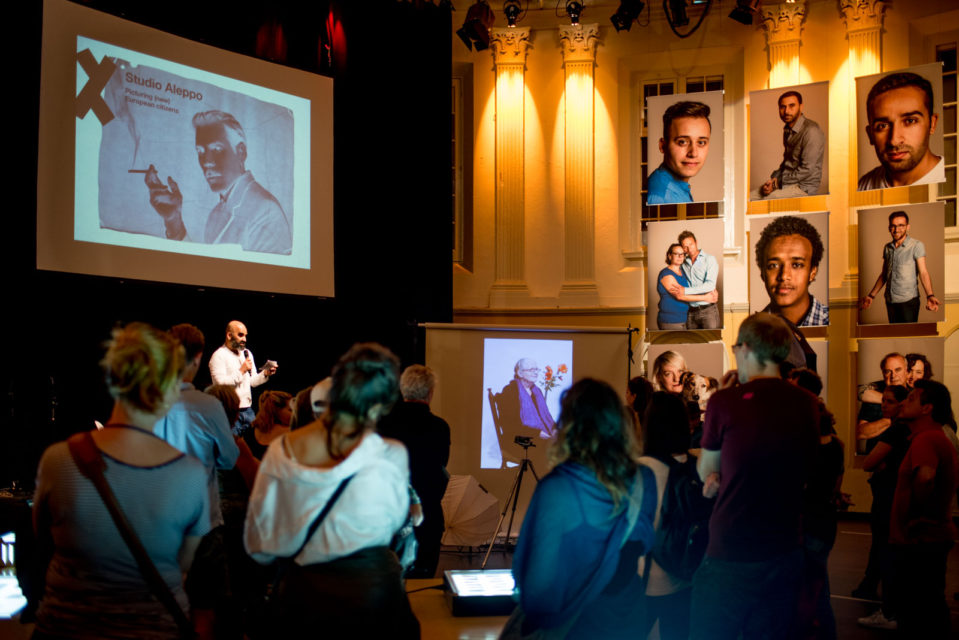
column 246, row 214
column 523, row 405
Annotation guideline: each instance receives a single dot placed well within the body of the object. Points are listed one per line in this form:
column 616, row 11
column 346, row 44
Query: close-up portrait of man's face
column 789, row 109
column 900, row 124
column 787, row 270
column 221, row 162
column 686, row 146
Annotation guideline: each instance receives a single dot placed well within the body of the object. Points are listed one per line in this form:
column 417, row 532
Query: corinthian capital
column 783, row 22
column 579, row 42
column 510, row 45
column 862, row 14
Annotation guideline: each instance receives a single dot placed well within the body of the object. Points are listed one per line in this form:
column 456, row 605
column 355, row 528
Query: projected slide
column 169, row 151
column 522, row 384
column 164, row 159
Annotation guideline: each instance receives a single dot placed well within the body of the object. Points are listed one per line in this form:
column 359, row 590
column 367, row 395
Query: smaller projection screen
column 165, row 159
column 497, row 384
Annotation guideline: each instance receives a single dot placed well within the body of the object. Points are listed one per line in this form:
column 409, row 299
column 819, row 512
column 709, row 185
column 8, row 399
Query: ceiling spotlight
column 475, row 29
column 512, row 10
column 744, row 11
column 677, row 13
column 628, row 11
column 574, row 10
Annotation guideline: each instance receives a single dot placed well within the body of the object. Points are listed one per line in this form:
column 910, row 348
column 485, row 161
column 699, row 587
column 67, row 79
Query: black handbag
column 404, row 543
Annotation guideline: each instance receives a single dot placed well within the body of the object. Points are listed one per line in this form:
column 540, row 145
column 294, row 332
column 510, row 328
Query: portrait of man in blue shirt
column 903, row 269
column 684, row 145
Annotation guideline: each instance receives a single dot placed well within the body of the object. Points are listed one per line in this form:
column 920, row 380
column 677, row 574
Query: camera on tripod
column 524, row 442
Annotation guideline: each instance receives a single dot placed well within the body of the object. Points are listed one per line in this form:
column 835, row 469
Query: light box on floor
column 479, row 593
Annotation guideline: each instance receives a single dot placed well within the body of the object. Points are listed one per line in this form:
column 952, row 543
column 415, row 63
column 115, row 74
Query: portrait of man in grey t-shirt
column 904, row 268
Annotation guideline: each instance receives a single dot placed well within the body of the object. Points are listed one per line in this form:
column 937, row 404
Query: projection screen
column 479, row 367
column 165, row 159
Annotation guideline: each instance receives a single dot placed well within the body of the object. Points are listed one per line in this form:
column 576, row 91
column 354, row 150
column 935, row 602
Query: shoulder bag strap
column 322, row 515
column 88, row 459
column 285, row 563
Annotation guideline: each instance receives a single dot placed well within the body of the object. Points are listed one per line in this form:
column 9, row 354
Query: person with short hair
column 684, row 145
column 899, row 110
column 247, row 214
column 759, row 441
column 870, row 421
column 94, row 587
column 921, row 529
column 427, row 440
column 232, row 364
column 788, row 254
column 800, row 172
column 523, row 406
column 197, row 424
column 903, row 268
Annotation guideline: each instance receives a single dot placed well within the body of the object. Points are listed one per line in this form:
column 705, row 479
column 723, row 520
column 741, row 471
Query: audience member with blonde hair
column 94, row 588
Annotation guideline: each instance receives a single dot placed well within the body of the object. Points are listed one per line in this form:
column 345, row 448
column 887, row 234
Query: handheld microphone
column 246, row 354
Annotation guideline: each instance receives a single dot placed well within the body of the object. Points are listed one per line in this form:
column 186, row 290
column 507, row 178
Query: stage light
column 574, row 10
column 677, row 13
column 475, row 29
column 744, row 11
column 512, row 10
column 628, row 11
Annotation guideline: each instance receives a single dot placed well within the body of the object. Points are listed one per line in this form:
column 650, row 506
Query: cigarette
column 138, row 170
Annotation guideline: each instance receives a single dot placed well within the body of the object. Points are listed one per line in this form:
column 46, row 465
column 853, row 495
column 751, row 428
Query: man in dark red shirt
column 760, row 437
column 921, row 530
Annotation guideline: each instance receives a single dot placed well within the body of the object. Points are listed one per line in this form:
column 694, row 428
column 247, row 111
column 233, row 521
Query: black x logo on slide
column 99, row 75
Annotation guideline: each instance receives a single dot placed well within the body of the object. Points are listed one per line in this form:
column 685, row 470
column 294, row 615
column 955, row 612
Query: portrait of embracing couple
column 688, row 286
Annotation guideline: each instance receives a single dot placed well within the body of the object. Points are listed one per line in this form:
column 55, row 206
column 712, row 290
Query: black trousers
column 901, row 312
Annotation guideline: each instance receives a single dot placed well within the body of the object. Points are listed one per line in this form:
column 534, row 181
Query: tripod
column 513, row 495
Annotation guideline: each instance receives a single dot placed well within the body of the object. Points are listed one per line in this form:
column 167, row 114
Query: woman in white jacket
column 348, row 582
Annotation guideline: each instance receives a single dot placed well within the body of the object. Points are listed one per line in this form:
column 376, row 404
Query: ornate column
column 509, row 48
column 782, row 24
column 863, row 20
column 579, row 60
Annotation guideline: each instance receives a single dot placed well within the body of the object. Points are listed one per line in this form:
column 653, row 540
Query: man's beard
column 908, row 163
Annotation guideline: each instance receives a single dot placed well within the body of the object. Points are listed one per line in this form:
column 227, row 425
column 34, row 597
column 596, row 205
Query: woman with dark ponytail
column 339, row 473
